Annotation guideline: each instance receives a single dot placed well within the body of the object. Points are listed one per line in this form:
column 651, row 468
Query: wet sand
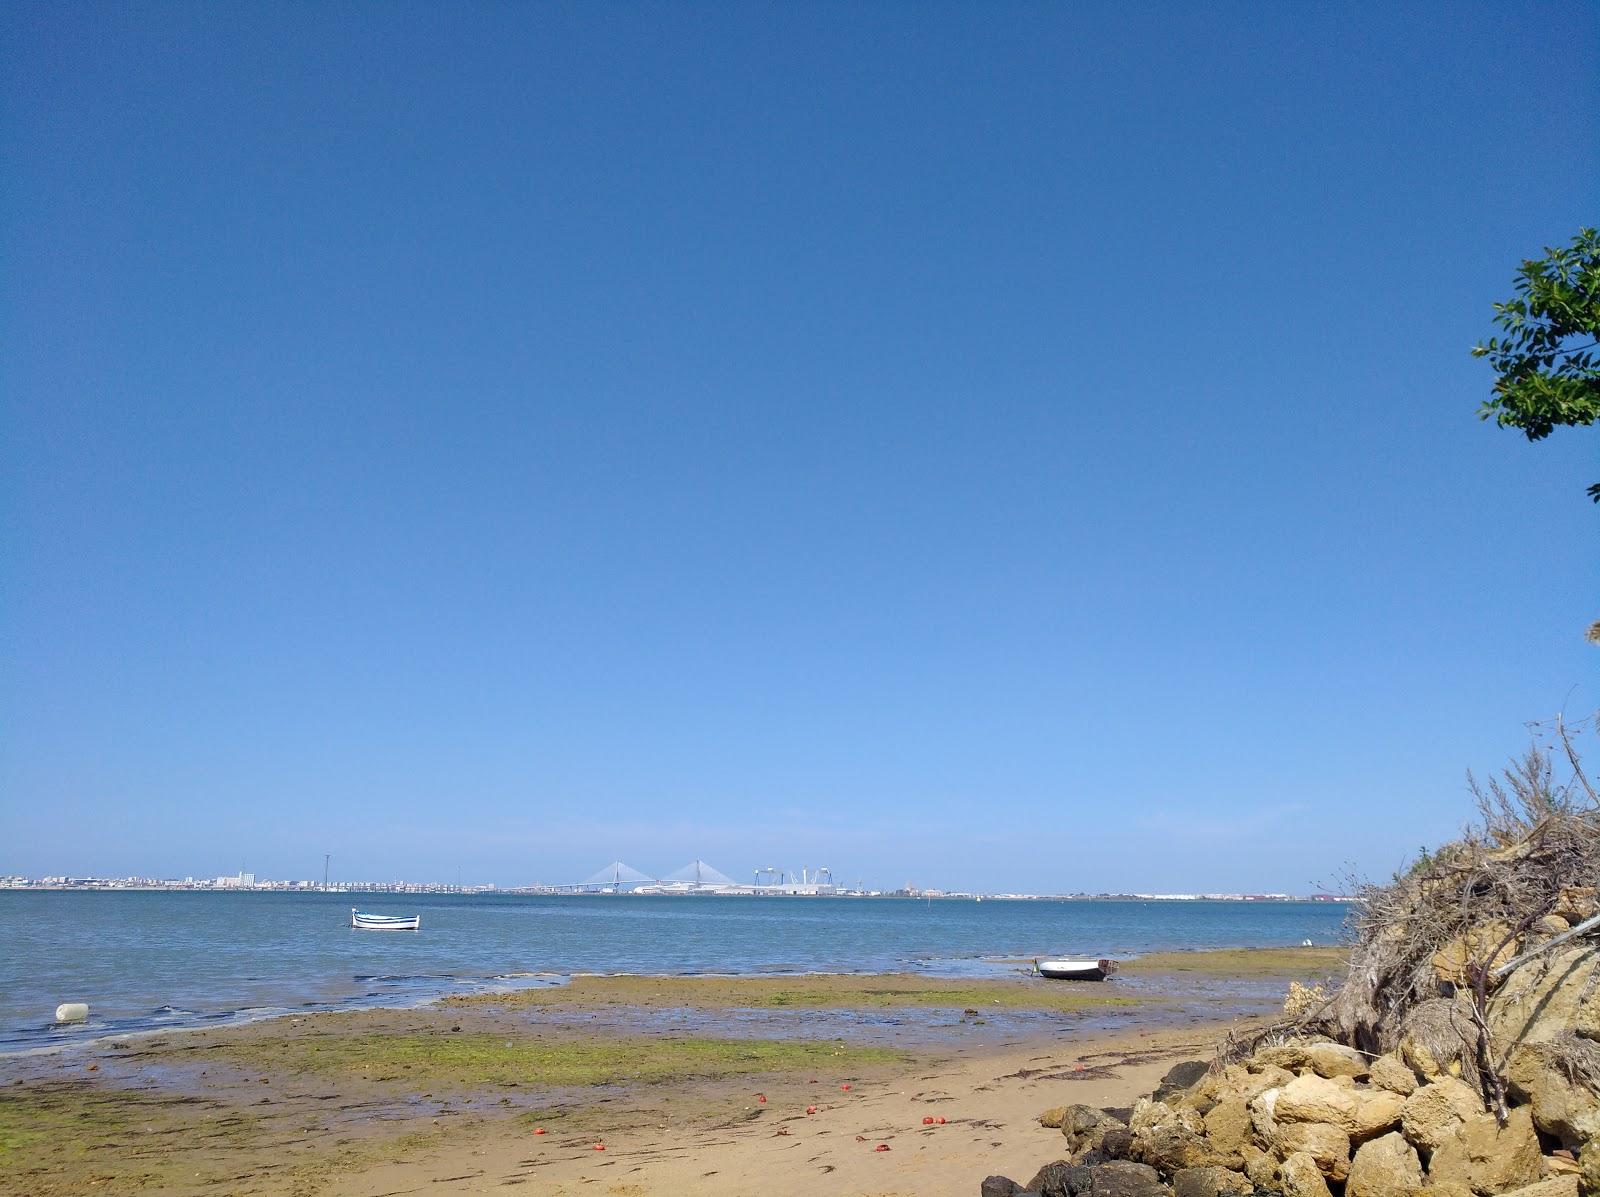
column 666, row 1073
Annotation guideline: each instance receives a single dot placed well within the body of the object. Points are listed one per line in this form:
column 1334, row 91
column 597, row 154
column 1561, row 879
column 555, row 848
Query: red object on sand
column 927, row 1121
column 940, row 1121
column 762, row 1098
column 881, row 1147
column 538, row 1130
column 811, row 1109
column 599, row 1146
column 844, row 1086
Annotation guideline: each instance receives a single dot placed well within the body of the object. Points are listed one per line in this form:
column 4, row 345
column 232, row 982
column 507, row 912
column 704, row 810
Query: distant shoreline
column 359, row 890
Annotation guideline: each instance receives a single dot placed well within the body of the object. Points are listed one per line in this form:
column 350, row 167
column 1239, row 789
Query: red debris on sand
column 811, row 1109
column 940, row 1121
column 927, row 1121
column 762, row 1098
column 538, row 1130
column 846, row 1087
column 881, row 1147
column 599, row 1146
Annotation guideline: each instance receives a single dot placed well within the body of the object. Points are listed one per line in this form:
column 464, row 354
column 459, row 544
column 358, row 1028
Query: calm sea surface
column 148, row 960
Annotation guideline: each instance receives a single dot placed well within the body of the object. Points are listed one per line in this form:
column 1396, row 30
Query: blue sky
column 1010, row 446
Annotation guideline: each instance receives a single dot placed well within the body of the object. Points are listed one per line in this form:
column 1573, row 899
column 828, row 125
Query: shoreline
column 445, row 1097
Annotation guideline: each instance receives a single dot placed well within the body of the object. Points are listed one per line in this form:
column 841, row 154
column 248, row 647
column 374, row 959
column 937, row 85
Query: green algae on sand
column 812, row 991
column 1290, row 963
column 475, row 1058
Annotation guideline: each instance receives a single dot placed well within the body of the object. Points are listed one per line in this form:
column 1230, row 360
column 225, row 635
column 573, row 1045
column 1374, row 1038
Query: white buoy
column 72, row 1012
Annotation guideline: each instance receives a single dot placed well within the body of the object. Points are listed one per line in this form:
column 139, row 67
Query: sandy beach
column 702, row 1085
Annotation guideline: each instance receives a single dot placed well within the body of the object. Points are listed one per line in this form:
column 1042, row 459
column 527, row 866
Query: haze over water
column 146, row 960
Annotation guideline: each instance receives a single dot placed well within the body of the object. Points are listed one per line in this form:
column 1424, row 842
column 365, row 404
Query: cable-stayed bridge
column 698, row 877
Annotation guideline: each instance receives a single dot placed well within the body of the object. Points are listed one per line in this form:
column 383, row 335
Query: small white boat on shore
column 385, row 922
column 1075, row 970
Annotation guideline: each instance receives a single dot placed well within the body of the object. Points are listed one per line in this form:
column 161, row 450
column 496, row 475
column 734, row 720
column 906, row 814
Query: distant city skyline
column 988, row 447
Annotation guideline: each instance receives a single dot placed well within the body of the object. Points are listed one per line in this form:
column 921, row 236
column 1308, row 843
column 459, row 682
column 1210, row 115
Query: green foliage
column 1547, row 373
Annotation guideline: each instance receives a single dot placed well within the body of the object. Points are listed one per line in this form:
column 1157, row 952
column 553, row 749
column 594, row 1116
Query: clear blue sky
column 997, row 445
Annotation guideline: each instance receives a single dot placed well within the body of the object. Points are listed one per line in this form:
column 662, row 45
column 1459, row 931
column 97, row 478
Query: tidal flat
column 703, row 1084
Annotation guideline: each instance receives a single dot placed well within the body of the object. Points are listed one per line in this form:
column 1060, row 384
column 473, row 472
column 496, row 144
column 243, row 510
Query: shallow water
column 169, row 960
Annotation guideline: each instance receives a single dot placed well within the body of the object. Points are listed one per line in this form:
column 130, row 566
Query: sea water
column 147, row 960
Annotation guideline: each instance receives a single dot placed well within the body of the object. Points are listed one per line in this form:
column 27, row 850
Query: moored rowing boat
column 1075, row 970
column 385, row 922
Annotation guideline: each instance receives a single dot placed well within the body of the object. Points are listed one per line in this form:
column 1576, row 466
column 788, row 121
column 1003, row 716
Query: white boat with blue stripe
column 385, row 922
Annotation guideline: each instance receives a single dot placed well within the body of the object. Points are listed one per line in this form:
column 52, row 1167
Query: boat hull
column 1075, row 970
column 385, row 922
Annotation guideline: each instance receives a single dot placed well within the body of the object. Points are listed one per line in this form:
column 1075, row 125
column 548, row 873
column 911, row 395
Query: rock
column 997, row 1186
column 1545, row 998
column 1551, row 924
column 1589, row 1168
column 1228, row 1127
column 1247, row 1083
column 1431, row 1114
column 1117, row 1143
column 1394, row 1074
column 1060, row 1179
column 1335, row 1060
column 1149, row 1114
column 1122, row 1178
column 1322, row 1141
column 1172, row 1146
column 1563, row 1106
column 1387, row 1166
column 1263, row 1116
column 1082, row 1125
column 1052, row 1117
column 1487, row 1157
column 1554, row 1186
column 1299, row 1176
column 1486, row 945
column 1180, row 1078
column 1209, row 1182
column 1576, row 903
column 1260, row 1167
column 1360, row 1113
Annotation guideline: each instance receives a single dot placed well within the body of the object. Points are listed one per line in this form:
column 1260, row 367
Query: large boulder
column 1488, row 1157
column 1547, row 997
column 1180, row 1078
column 1431, row 1114
column 997, row 1186
column 1336, row 1060
column 1300, row 1176
column 1260, row 1167
column 1394, row 1074
column 1552, row 1186
column 1322, row 1141
column 1060, row 1179
column 1210, row 1181
column 1360, row 1113
column 1387, row 1166
column 1564, row 1105
column 1228, row 1127
column 1123, row 1178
